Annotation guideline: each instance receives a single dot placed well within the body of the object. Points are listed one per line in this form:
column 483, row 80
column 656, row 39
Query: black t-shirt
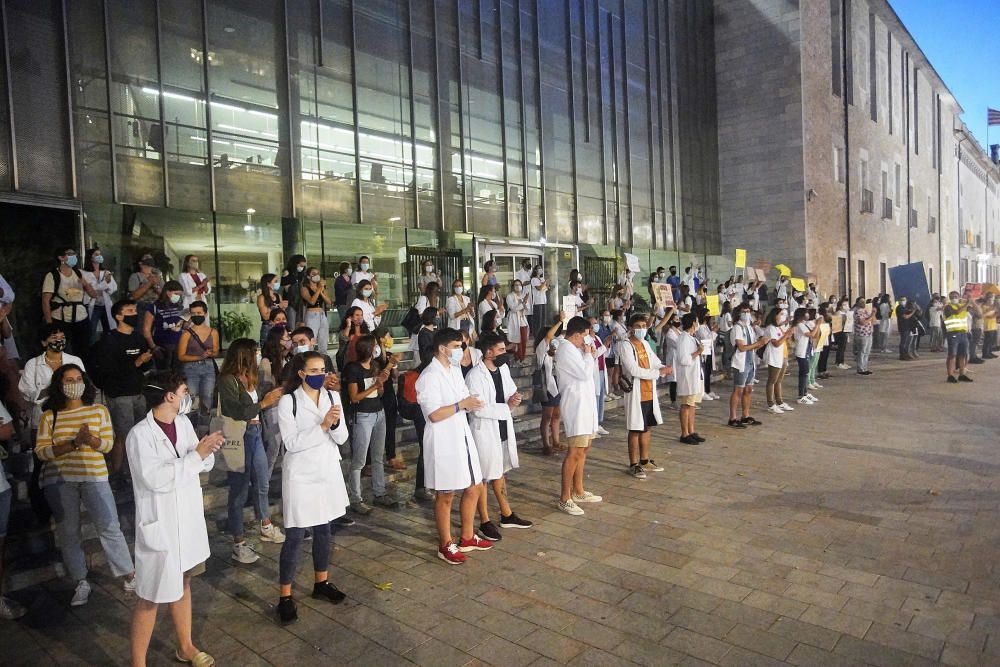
column 115, row 372
column 498, row 383
column 363, row 377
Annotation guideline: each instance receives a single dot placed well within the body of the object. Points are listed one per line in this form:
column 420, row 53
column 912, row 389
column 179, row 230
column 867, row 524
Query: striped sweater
column 81, row 465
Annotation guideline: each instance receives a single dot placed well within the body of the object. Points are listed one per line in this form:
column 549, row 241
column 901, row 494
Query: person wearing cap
column 144, row 285
column 956, row 327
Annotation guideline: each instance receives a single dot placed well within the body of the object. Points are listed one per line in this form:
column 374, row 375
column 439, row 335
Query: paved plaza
column 861, row 530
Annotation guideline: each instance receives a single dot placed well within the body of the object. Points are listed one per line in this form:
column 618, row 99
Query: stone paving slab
column 862, row 530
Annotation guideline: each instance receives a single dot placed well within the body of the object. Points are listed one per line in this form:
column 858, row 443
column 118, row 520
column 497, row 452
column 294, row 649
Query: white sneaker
column 707, row 397
column 812, row 398
column 271, row 533
column 81, row 595
column 587, row 497
column 570, row 508
column 815, row 385
column 673, row 406
column 804, row 401
column 242, row 553
column 610, row 398
column 603, row 431
column 128, row 584
column 11, row 610
column 756, row 381
column 716, row 397
column 775, row 410
column 786, row 407
column 843, row 367
column 596, row 435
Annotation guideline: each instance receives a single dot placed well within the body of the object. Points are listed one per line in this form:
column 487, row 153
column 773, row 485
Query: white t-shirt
column 538, row 297
column 773, row 355
column 360, row 275
column 70, row 291
column 801, row 340
column 749, row 337
column 725, row 322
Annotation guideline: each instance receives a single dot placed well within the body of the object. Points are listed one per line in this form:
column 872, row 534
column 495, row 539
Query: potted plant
column 235, row 325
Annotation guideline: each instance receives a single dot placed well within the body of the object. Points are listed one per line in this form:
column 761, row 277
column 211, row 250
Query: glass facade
column 250, row 131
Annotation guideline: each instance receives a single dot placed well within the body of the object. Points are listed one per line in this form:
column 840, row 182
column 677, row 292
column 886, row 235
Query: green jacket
column 234, row 401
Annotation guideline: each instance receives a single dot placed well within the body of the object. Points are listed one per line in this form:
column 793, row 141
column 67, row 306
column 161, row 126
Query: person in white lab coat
column 575, row 361
column 642, row 405
column 171, row 540
column 493, row 431
column 690, row 378
column 313, row 492
column 451, row 459
column 461, row 309
column 102, row 281
column 518, row 308
column 197, row 286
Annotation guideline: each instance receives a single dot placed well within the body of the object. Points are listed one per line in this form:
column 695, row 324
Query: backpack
column 57, row 301
column 295, row 403
column 406, row 395
column 411, row 321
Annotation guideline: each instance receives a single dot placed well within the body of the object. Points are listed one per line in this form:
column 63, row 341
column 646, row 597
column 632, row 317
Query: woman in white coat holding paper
column 451, row 459
column 493, row 430
column 313, row 492
column 171, row 540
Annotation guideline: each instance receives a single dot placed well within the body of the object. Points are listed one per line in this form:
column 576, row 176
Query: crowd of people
column 146, row 405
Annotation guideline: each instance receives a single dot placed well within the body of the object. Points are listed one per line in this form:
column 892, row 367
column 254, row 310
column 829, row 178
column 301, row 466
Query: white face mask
column 606, row 319
column 377, row 352
column 74, row 390
column 364, row 266
column 579, row 292
column 185, row 406
column 299, row 349
column 745, row 318
column 455, row 356
column 781, row 318
column 366, row 293
column 596, row 327
column 429, row 269
column 459, row 290
column 315, row 278
column 517, row 288
column 640, row 334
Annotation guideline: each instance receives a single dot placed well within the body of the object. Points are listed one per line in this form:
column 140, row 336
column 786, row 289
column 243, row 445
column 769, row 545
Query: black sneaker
column 687, row 440
column 490, row 531
column 514, row 521
column 750, row 421
column 953, row 379
column 976, row 361
column 736, row 423
column 287, row 610
column 327, row 591
column 866, row 372
column 964, row 378
column 343, row 521
column 696, row 437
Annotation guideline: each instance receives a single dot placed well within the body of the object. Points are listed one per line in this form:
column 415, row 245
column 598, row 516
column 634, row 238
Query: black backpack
column 57, row 301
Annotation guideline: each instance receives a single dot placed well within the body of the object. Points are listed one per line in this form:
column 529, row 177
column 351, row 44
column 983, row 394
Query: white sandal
column 201, row 659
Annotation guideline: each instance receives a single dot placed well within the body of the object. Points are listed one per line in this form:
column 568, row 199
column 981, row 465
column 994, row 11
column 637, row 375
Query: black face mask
column 57, row 345
column 131, row 320
column 503, row 359
column 198, row 319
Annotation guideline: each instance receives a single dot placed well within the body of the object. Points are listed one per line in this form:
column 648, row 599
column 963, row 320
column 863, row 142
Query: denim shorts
column 745, row 377
column 958, row 344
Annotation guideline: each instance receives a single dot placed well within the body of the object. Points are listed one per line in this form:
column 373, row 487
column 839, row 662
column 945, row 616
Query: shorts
column 579, row 440
column 5, row 500
column 550, row 400
column 745, row 377
column 646, row 409
column 958, row 344
column 126, row 412
column 610, row 362
column 690, row 400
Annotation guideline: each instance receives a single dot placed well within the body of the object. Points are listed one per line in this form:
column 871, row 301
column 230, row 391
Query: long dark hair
column 292, row 266
column 89, row 266
column 163, row 300
column 298, row 363
column 273, row 350
column 57, row 399
column 265, row 288
column 241, row 361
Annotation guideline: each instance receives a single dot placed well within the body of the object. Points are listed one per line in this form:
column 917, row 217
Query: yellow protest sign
column 798, row 284
column 741, row 258
column 783, row 270
column 712, row 301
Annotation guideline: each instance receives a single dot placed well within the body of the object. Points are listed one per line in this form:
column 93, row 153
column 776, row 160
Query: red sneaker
column 451, row 555
column 475, row 543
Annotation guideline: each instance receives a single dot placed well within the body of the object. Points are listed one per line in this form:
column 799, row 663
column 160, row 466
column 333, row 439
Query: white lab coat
column 312, row 484
column 187, row 282
column 105, row 294
column 517, row 314
column 547, row 364
column 629, row 361
column 575, row 375
column 599, row 372
column 456, row 303
column 36, row 378
column 688, row 369
column 451, row 458
column 170, row 533
column 485, row 423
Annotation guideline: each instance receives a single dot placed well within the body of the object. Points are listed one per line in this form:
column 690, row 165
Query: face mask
column 579, row 292
column 781, row 318
column 299, row 349
column 366, row 293
column 57, row 345
column 315, row 381
column 198, row 319
column 71, row 261
column 517, row 288
column 596, row 327
column 130, row 320
column 455, row 356
column 954, row 302
column 459, row 290
column 346, row 271
column 902, row 302
column 258, row 357
column 300, row 269
column 588, row 340
column 175, row 298
column 98, row 259
column 606, row 319
column 287, row 344
column 364, row 266
column 659, row 275
column 275, row 286
column 377, row 352
column 185, row 406
column 745, row 318
column 640, row 334
column 73, row 390
column 315, row 278
column 193, row 266
column 429, row 269
column 502, row 359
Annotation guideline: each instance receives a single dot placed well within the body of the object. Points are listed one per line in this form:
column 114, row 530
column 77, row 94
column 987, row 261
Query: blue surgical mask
column 71, row 261
column 303, row 348
column 99, row 259
column 366, row 293
column 455, row 356
column 315, row 381
column 745, row 318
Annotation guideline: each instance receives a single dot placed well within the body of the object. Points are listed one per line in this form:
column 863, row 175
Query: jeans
column 126, row 411
column 803, row 363
column 64, row 498
column 904, row 341
column 824, row 358
column 420, row 423
column 318, row 322
column 265, row 329
column 239, row 483
column 840, row 338
column 883, row 340
column 864, row 350
column 200, row 378
column 288, row 560
column 538, row 317
column 98, row 317
column 975, row 335
column 937, row 339
column 391, row 417
column 774, row 378
column 601, row 393
column 368, row 433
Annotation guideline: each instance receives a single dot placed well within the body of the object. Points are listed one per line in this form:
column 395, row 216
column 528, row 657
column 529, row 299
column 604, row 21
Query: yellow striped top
column 81, row 465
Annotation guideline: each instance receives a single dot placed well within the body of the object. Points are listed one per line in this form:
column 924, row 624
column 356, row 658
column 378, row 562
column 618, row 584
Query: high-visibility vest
column 955, row 319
